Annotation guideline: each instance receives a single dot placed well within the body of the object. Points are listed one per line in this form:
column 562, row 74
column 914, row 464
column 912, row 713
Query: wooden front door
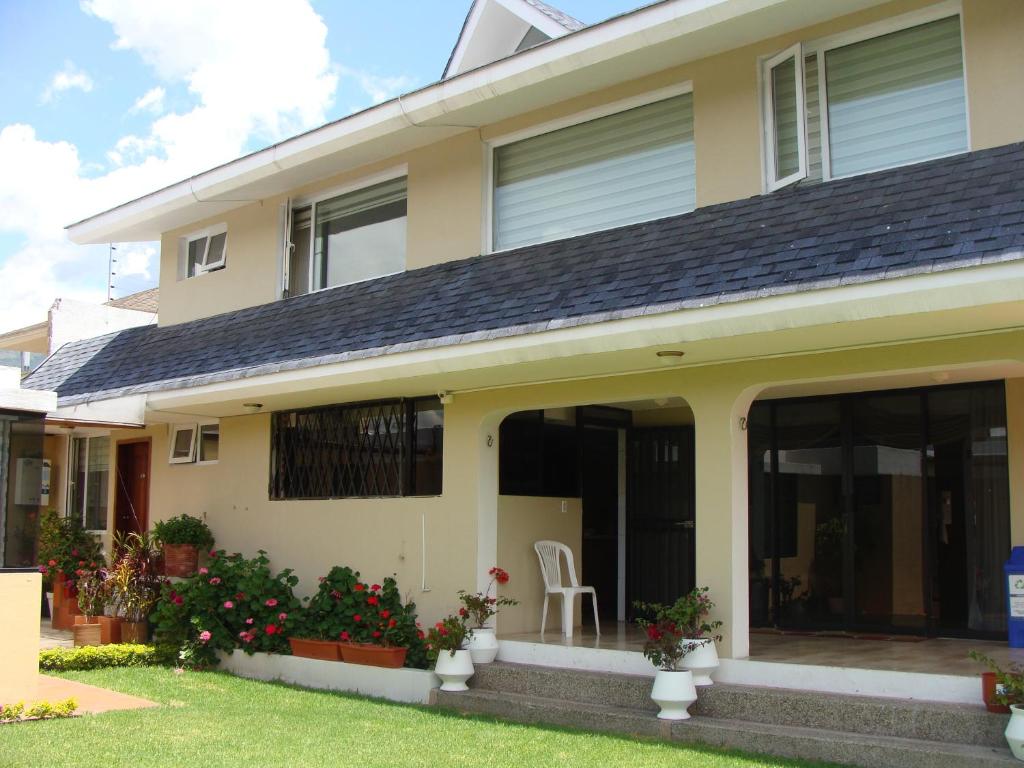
column 131, row 510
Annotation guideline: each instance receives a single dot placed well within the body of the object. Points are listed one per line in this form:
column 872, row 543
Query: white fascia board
column 129, row 411
column 30, row 400
column 216, row 189
column 950, row 290
column 534, row 17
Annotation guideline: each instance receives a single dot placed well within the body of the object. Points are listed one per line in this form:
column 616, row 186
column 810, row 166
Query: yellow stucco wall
column 447, row 182
column 20, row 596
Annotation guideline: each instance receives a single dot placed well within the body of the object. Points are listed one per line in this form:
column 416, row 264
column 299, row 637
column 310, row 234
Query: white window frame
column 200, row 461
column 311, row 200
column 202, row 267
column 69, row 481
column 567, row 121
column 173, row 433
column 819, row 47
column 796, row 53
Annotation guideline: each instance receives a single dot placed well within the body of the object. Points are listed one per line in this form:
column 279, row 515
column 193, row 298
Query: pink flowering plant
column 233, row 602
column 347, row 609
column 671, row 629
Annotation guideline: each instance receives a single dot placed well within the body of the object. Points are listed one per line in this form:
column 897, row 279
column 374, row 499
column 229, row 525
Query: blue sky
column 104, row 100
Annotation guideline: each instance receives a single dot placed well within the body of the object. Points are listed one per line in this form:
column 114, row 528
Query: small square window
column 209, row 443
column 205, row 251
column 183, row 444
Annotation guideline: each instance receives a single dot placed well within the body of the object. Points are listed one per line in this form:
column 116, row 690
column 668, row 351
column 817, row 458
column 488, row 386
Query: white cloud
column 151, row 101
column 66, row 79
column 379, row 88
column 258, row 70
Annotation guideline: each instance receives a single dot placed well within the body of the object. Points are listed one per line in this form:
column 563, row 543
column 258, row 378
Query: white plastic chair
column 549, row 553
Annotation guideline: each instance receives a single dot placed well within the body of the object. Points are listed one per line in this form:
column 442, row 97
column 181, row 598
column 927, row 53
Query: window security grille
column 340, row 451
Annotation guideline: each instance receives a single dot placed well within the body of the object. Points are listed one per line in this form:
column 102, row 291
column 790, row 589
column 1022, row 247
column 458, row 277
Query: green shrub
column 100, row 656
column 43, row 710
column 234, row 602
column 184, row 529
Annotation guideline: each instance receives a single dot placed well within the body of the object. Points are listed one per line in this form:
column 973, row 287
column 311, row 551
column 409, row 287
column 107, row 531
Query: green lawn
column 208, row 720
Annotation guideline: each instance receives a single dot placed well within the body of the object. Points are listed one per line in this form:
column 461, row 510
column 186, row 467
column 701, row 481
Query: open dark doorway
column 600, row 492
column 661, row 531
column 131, row 509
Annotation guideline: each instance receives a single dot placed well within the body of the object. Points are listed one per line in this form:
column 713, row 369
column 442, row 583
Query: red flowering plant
column 672, row 629
column 447, row 635
column 232, row 602
column 347, row 609
column 479, row 607
column 65, row 547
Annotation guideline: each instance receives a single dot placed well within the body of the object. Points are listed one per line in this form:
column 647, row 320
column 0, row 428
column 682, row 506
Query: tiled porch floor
column 935, row 655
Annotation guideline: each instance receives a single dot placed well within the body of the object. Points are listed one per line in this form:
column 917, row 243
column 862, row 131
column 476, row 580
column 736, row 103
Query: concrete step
column 898, row 718
column 867, row 751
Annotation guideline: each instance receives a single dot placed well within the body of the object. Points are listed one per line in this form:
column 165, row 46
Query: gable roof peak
column 494, row 29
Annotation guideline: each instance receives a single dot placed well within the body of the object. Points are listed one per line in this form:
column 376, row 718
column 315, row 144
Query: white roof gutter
column 290, row 163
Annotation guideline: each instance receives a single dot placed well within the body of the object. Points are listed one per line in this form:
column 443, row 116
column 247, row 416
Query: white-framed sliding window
column 880, row 96
column 88, row 481
column 348, row 235
column 782, row 85
column 182, row 449
column 623, row 163
column 204, row 251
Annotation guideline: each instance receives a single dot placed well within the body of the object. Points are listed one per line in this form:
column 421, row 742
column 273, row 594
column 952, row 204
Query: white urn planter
column 674, row 692
column 49, row 603
column 454, row 669
column 483, row 645
column 1015, row 731
column 702, row 660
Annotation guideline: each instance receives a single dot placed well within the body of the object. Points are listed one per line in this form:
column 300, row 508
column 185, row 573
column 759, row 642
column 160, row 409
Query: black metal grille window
column 382, row 448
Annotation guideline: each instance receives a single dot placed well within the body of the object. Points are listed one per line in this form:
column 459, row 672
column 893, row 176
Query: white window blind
column 896, row 99
column 632, row 166
column 784, row 92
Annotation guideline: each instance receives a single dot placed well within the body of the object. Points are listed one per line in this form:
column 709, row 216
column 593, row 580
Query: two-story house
column 717, row 292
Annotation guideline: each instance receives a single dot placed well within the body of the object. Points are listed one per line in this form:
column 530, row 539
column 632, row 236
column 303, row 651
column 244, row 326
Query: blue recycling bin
column 1014, row 570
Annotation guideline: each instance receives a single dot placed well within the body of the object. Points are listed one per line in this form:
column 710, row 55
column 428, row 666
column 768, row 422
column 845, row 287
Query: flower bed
column 412, row 686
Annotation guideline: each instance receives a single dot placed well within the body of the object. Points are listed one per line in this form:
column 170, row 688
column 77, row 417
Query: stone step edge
column 839, row 698
column 698, row 729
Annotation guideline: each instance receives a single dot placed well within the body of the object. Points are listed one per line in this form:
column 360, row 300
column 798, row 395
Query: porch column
column 721, row 514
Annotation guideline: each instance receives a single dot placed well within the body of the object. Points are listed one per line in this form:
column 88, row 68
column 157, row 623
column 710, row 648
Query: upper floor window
column 635, row 165
column 382, row 448
column 348, row 238
column 205, row 251
column 847, row 108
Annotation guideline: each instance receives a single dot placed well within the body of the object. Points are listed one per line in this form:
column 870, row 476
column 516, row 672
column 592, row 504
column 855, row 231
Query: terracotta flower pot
column 373, row 655
column 327, row 650
column 110, row 629
column 86, row 634
column 81, row 619
column 134, row 631
column 180, row 560
column 988, row 692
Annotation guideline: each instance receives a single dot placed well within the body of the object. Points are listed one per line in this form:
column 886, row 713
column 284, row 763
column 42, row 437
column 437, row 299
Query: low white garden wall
column 412, row 686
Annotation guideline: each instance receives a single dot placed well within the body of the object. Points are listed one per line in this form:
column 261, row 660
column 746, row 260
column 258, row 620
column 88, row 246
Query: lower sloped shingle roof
column 951, row 213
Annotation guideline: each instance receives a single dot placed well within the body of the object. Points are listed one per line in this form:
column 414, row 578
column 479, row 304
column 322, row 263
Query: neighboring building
column 726, row 293
column 47, row 451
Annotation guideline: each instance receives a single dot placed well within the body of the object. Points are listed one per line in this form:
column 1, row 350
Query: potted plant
column 689, row 614
column 478, row 608
column 135, row 584
column 665, row 647
column 1005, row 688
column 92, row 586
column 64, row 547
column 446, row 646
column 181, row 538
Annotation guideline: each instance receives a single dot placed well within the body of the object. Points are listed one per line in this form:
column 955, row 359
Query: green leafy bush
column 65, row 546
column 234, row 602
column 184, row 529
column 43, row 710
column 101, row 656
column 347, row 609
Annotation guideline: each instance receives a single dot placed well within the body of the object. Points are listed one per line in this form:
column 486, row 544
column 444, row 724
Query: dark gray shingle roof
column 951, row 213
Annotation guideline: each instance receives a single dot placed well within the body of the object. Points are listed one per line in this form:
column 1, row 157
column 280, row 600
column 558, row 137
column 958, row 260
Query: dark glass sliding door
column 880, row 511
